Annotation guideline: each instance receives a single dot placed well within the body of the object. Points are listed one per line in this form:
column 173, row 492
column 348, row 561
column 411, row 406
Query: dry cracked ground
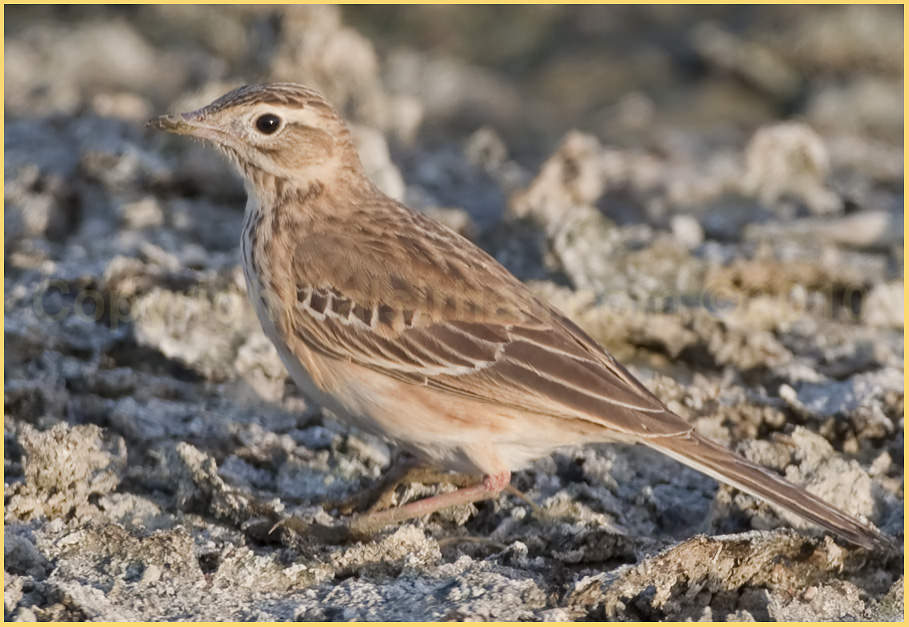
column 722, row 208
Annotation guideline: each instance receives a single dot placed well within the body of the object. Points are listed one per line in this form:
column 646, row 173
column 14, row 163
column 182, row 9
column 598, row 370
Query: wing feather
column 463, row 325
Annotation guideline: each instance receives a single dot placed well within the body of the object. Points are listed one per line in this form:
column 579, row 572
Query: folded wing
column 427, row 309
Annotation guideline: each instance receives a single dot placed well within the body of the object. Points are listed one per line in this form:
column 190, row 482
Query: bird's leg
column 419, row 474
column 489, row 487
column 379, row 494
column 404, row 469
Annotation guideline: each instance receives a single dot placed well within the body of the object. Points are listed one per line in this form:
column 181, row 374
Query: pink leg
column 369, row 524
column 378, row 495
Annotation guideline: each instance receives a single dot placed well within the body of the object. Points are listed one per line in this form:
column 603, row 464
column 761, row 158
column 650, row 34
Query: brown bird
column 410, row 331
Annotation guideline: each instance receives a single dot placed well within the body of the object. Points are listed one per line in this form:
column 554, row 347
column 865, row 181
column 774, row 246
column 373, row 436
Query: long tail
column 724, row 465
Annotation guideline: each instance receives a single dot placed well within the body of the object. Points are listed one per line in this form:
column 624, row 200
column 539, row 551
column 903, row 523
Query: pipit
column 408, row 330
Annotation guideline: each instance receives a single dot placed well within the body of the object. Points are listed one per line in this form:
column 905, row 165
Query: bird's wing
column 420, row 303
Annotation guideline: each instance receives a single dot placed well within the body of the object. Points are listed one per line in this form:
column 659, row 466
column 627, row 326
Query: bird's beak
column 180, row 123
column 192, row 123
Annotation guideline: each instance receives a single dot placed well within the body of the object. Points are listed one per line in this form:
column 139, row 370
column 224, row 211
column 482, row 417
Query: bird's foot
column 382, row 495
column 365, row 525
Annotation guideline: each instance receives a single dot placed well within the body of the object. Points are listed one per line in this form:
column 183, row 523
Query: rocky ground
column 714, row 193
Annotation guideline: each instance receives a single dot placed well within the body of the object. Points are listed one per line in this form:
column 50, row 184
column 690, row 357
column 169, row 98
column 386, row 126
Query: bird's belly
column 451, row 432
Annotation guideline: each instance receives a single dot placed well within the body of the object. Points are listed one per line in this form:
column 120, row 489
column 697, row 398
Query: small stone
column 25, row 615
column 485, row 149
column 143, row 213
column 880, row 465
column 790, row 159
column 687, row 230
column 151, row 575
column 883, row 307
column 788, row 394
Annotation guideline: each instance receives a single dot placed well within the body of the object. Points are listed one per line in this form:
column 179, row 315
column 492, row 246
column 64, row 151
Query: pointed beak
column 194, row 124
column 181, row 124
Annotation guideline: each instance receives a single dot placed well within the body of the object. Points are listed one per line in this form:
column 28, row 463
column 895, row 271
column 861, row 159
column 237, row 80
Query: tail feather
column 724, row 465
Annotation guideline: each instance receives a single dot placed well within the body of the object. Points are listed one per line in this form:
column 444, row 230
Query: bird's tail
column 724, row 465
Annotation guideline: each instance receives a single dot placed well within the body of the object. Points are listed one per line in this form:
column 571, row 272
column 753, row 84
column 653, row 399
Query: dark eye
column 268, row 123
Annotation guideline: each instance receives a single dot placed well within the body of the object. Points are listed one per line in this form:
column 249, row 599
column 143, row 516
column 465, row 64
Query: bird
column 410, row 331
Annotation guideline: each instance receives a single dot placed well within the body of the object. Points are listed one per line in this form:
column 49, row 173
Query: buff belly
column 452, row 433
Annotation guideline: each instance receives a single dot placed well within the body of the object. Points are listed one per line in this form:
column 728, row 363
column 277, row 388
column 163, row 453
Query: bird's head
column 274, row 133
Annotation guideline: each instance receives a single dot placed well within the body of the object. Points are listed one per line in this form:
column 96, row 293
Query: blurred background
column 530, row 72
column 714, row 192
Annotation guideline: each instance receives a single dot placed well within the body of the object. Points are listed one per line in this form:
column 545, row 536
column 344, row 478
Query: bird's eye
column 268, row 123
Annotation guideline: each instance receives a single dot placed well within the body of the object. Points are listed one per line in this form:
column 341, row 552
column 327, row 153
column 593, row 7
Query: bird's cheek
column 308, row 146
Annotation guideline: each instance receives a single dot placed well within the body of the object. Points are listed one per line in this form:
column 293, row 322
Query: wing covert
column 463, row 325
